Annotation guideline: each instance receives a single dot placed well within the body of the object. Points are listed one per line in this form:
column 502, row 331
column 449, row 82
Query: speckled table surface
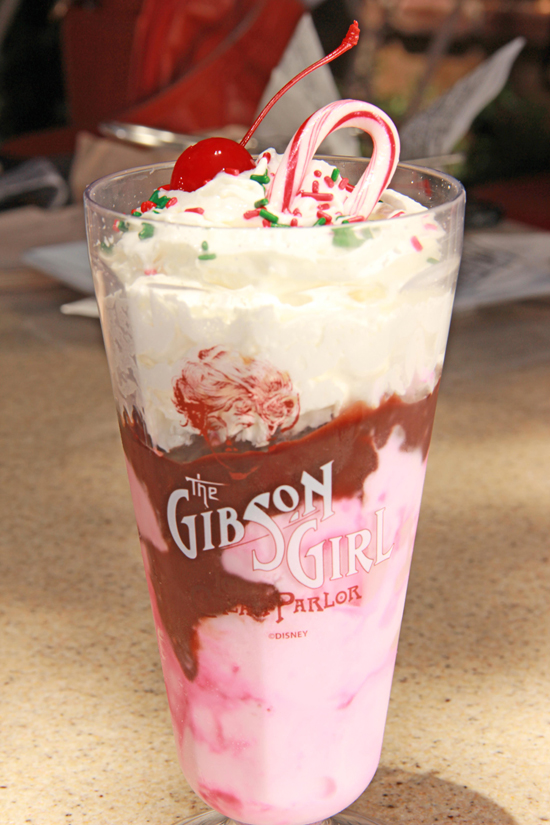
column 86, row 736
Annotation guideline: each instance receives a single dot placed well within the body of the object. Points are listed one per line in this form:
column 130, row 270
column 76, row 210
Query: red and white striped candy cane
column 290, row 175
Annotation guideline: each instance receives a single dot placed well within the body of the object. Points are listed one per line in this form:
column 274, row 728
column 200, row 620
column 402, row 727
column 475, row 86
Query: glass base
column 215, row 818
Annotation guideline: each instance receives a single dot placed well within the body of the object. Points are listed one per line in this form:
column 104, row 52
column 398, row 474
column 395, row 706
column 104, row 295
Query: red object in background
column 184, row 65
column 215, row 55
column 524, row 199
column 96, row 48
column 97, row 44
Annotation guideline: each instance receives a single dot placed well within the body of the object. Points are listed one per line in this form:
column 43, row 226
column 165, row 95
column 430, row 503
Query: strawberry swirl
column 225, row 396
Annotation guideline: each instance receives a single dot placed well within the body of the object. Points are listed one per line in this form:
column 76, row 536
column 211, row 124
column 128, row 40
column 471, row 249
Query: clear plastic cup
column 276, row 390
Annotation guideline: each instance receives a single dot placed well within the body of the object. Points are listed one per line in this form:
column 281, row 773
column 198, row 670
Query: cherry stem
column 350, row 40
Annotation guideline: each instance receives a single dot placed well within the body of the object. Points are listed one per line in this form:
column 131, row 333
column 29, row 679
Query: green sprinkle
column 160, row 200
column 335, row 174
column 433, row 261
column 147, row 231
column 123, row 226
column 260, row 203
column 320, row 222
column 136, row 213
column 106, row 247
column 207, row 256
column 204, row 246
column 269, row 216
column 344, row 236
column 260, row 178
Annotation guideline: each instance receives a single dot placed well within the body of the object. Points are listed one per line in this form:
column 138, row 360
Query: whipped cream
column 243, row 200
column 339, row 313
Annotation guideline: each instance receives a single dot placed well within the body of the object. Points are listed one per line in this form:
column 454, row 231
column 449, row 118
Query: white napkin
column 68, row 262
column 438, row 129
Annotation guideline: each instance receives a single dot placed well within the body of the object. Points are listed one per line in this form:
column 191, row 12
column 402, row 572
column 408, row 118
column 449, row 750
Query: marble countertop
column 86, row 736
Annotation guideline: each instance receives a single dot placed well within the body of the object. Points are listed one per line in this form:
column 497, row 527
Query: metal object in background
column 145, row 135
column 151, row 137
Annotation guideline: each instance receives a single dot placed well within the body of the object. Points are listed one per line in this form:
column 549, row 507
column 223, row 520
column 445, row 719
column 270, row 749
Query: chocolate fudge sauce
column 189, row 589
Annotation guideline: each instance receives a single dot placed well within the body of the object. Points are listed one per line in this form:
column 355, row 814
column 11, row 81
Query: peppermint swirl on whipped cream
column 224, row 396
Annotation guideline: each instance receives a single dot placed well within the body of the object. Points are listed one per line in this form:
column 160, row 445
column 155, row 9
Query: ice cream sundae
column 276, row 336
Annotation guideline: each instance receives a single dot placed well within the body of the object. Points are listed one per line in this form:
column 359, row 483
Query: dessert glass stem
column 214, row 818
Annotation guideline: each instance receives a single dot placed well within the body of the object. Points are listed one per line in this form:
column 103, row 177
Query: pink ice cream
column 282, row 720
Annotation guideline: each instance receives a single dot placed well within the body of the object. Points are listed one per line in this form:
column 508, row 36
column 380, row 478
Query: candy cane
column 290, row 175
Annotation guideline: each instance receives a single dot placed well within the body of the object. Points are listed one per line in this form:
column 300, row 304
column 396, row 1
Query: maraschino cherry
column 201, row 162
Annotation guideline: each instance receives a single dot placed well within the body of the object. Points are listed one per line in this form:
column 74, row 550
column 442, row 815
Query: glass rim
column 454, row 184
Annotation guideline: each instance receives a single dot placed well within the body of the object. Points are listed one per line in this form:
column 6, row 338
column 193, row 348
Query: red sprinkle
column 171, row 202
column 329, row 182
column 115, row 224
column 267, row 156
column 252, row 213
column 349, row 187
column 198, row 209
column 315, row 186
column 318, row 196
column 294, row 222
column 398, row 214
column 297, row 212
column 166, row 187
column 234, row 172
column 325, row 215
column 147, row 205
column 317, row 173
column 265, row 222
column 325, row 206
column 343, row 183
column 151, row 271
column 356, row 219
column 416, row 243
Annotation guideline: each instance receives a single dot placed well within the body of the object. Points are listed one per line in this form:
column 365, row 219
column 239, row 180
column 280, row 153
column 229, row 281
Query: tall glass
column 276, row 389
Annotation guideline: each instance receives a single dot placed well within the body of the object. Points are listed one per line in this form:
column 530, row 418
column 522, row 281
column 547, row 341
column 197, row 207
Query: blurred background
column 66, row 66
column 77, row 73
